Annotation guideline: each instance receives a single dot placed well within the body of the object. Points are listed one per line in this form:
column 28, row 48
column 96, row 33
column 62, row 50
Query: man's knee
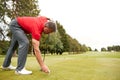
column 25, row 43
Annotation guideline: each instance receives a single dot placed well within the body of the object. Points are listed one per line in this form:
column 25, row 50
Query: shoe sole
column 22, row 74
column 6, row 69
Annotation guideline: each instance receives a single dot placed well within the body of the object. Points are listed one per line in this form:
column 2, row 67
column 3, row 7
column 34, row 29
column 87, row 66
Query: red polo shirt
column 32, row 25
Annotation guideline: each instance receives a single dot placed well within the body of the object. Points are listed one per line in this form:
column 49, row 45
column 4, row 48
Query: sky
column 94, row 23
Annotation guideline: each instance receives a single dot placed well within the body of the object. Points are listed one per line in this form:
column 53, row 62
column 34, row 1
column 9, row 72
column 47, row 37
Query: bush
column 0, row 51
column 4, row 47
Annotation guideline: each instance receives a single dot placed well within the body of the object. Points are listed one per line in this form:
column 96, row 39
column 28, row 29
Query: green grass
column 88, row 66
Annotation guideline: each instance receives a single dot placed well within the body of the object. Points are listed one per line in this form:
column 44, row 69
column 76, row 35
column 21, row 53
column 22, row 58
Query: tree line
column 111, row 48
column 55, row 43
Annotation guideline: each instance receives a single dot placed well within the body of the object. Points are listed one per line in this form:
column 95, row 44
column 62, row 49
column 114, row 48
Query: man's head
column 50, row 27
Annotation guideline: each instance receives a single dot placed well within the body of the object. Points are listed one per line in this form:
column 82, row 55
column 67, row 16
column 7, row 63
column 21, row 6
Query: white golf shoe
column 24, row 72
column 8, row 68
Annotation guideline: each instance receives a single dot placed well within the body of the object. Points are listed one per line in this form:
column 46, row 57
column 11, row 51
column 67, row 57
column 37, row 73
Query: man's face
column 47, row 30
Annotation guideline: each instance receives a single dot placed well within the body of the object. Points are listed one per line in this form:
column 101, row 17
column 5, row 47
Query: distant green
column 87, row 66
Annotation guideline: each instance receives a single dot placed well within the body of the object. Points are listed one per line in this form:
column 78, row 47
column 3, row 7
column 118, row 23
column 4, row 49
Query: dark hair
column 51, row 25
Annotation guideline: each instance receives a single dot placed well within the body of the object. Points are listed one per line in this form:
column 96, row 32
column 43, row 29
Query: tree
column 14, row 8
column 109, row 48
column 113, row 48
column 89, row 49
column 103, row 49
column 84, row 48
column 56, row 43
column 116, row 48
column 95, row 50
column 51, row 43
column 74, row 45
column 64, row 36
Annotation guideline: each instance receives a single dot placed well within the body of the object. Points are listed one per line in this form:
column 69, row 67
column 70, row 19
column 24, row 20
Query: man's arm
column 38, row 56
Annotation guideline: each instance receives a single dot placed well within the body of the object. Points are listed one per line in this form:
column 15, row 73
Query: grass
column 87, row 66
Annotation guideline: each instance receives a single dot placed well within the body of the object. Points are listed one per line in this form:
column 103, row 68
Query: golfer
column 19, row 28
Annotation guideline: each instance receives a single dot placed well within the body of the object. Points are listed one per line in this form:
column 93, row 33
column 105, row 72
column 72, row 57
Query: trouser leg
column 22, row 50
column 11, row 50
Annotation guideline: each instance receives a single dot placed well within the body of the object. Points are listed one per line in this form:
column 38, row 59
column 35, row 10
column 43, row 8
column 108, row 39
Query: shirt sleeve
column 36, row 36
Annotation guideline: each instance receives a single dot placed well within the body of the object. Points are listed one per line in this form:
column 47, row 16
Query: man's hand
column 45, row 69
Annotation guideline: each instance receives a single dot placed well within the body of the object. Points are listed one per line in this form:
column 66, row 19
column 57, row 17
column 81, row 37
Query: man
column 19, row 28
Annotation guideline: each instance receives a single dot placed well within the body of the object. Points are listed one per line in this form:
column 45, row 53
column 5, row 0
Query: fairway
column 87, row 66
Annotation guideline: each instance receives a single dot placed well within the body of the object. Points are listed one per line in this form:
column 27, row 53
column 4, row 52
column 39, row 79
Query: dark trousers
column 20, row 41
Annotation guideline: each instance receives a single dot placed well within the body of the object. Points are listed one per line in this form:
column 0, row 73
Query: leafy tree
column 95, row 50
column 116, row 48
column 89, row 49
column 56, row 43
column 14, row 8
column 109, row 48
column 84, row 48
column 51, row 43
column 74, row 45
column 64, row 36
column 113, row 48
column 103, row 49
